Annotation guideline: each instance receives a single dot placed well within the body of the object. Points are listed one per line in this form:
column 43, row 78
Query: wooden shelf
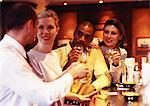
column 143, row 49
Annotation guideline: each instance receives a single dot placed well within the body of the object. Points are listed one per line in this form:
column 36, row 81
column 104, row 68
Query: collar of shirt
column 9, row 40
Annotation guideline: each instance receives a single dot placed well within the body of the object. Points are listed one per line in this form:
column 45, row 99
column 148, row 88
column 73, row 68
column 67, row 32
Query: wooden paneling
column 140, row 28
column 68, row 22
column 132, row 14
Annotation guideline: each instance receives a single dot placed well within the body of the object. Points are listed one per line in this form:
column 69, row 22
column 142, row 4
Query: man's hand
column 77, row 97
column 78, row 70
column 90, row 95
column 82, row 98
column 74, row 54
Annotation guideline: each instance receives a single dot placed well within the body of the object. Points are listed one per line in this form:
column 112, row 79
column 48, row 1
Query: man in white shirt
column 19, row 86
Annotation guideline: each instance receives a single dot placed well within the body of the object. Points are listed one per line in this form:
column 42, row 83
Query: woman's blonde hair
column 49, row 13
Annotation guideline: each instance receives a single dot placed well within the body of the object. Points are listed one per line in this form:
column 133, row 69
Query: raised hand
column 74, row 54
column 113, row 56
column 116, row 57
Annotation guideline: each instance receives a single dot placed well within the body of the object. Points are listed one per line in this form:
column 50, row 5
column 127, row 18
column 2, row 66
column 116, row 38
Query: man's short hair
column 18, row 15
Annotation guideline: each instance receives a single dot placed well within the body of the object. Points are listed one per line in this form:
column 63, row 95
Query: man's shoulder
column 8, row 55
column 96, row 50
column 96, row 53
column 6, row 50
column 65, row 47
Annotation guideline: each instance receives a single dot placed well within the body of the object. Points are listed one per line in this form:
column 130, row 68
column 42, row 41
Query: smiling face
column 47, row 31
column 111, row 36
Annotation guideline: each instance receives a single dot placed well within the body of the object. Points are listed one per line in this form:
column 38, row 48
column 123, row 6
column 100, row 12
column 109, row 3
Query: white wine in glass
column 83, row 59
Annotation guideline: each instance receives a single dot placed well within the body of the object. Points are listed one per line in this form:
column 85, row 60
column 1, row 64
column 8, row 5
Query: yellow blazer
column 95, row 63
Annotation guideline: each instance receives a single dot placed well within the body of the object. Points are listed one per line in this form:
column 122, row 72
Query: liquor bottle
column 124, row 74
column 136, row 73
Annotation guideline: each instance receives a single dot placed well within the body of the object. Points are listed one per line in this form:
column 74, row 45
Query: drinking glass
column 84, row 55
column 83, row 59
column 110, row 53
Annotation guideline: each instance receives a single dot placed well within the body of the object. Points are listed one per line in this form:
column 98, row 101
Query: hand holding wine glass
column 83, row 59
column 78, row 54
column 109, row 55
column 84, row 55
column 113, row 56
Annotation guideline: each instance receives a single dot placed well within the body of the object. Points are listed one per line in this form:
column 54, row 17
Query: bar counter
column 116, row 97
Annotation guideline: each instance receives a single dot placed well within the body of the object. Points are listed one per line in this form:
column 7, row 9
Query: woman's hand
column 116, row 57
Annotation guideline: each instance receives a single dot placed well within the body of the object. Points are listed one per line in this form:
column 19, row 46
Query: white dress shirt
column 19, row 86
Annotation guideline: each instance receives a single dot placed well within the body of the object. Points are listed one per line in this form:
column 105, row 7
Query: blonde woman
column 44, row 61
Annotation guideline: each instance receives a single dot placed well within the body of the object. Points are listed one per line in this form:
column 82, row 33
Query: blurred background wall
column 134, row 14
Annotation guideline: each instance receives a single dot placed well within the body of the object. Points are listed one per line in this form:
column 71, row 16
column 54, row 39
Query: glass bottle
column 136, row 73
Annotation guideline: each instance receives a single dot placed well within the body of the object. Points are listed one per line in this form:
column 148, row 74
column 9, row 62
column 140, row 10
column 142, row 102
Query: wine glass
column 84, row 55
column 83, row 59
column 110, row 53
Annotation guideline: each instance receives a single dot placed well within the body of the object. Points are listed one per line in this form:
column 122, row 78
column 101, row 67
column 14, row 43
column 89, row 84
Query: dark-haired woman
column 113, row 48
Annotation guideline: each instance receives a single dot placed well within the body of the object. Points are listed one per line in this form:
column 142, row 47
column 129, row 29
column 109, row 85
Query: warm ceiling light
column 65, row 3
column 101, row 1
